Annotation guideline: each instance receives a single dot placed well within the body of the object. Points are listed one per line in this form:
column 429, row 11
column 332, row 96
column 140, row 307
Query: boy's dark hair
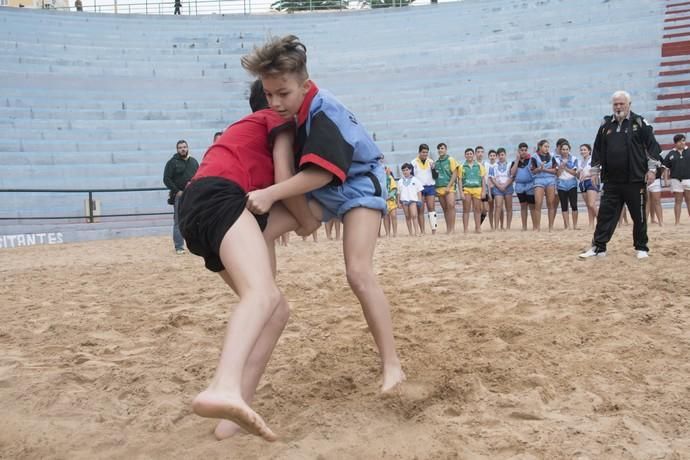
column 217, row 134
column 441, row 144
column 523, row 145
column 278, row 56
column 678, row 138
column 499, row 150
column 469, row 149
column 589, row 147
column 423, row 147
column 490, row 152
column 257, row 97
column 407, row 166
column 181, row 141
column 478, row 147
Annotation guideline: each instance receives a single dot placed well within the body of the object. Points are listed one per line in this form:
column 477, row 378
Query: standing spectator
column 447, row 170
column 424, row 171
column 78, row 5
column 568, row 170
column 493, row 158
column 409, row 196
column 390, row 219
column 472, row 176
column 678, row 163
column 479, row 158
column 591, row 191
column 524, row 184
column 544, row 170
column 653, row 208
column 501, row 181
column 178, row 5
column 179, row 170
column 620, row 156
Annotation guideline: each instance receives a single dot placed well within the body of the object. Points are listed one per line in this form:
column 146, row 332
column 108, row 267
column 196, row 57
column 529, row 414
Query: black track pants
column 613, row 197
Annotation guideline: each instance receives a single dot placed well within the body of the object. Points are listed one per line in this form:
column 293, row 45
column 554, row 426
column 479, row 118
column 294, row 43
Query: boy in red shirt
column 217, row 227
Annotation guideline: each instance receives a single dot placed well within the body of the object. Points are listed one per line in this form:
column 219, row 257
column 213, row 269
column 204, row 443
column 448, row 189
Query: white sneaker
column 642, row 254
column 592, row 252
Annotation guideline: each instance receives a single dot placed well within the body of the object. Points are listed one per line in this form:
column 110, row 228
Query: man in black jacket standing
column 179, row 170
column 625, row 157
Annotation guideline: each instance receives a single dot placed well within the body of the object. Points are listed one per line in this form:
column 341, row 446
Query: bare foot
column 226, row 429
column 392, row 378
column 215, row 405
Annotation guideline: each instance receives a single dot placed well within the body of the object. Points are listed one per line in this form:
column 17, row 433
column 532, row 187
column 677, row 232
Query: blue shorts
column 364, row 191
column 524, row 187
column 587, row 185
column 429, row 190
column 508, row 191
column 545, row 182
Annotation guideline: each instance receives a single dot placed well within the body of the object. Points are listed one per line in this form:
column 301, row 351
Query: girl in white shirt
column 410, row 197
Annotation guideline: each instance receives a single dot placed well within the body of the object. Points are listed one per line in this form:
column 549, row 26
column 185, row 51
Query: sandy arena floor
column 513, row 348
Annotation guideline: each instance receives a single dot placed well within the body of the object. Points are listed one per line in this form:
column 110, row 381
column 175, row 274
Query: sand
column 513, row 348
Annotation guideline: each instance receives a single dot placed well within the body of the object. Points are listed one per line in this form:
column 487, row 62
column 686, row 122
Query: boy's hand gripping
column 259, row 201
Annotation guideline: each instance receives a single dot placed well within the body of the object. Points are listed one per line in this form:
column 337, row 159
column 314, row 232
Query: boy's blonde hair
column 280, row 55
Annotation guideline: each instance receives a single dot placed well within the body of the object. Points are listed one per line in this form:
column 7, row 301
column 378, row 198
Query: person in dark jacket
column 178, row 172
column 625, row 158
column 678, row 163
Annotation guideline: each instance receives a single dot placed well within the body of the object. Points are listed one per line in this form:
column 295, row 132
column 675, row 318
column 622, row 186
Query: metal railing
column 202, row 7
column 90, row 217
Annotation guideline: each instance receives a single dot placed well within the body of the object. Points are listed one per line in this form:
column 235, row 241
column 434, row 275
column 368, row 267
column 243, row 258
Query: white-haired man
column 625, row 157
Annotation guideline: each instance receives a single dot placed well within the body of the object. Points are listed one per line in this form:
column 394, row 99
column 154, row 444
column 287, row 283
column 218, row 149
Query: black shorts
column 525, row 198
column 208, row 208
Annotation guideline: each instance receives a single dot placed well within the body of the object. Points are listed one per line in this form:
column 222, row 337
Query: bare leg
column 687, row 201
column 523, row 215
column 677, row 205
column 466, row 206
column 655, row 199
column 258, row 359
column 498, row 211
column 408, row 217
column 259, row 299
column 538, row 202
column 414, row 209
column 492, row 223
column 592, row 210
column 430, row 201
column 536, row 215
column 420, row 217
column 552, row 205
column 575, row 213
column 359, row 243
column 478, row 208
column 508, row 201
column 337, row 228
column 394, row 222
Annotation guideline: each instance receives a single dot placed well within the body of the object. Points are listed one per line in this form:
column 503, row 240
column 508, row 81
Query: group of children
column 299, row 159
column 486, row 187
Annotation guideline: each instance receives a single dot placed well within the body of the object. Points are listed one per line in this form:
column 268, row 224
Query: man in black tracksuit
column 626, row 154
column 179, row 170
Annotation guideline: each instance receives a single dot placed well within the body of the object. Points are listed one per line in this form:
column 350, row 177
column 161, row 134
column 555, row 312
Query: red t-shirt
column 244, row 153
